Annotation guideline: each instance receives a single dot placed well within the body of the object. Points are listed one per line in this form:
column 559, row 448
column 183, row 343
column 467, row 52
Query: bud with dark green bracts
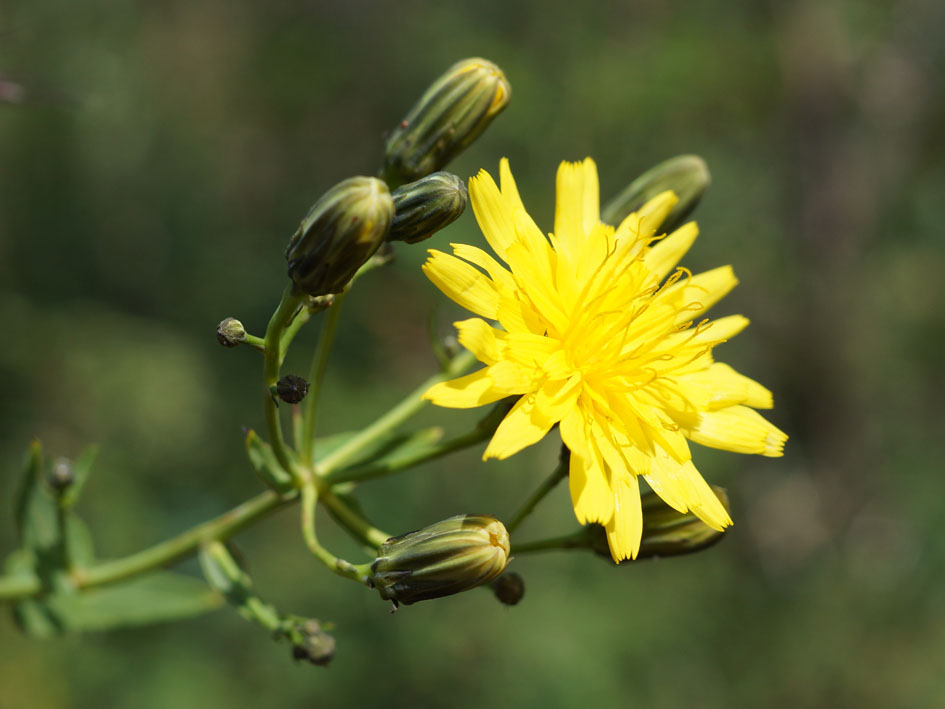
column 339, row 234
column 666, row 532
column 448, row 557
column 291, row 388
column 230, row 332
column 450, row 115
column 424, row 207
column 686, row 175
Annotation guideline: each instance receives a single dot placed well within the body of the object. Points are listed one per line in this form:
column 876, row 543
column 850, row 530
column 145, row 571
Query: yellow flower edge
column 600, row 331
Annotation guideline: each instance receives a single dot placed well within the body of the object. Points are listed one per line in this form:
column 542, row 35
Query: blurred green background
column 155, row 158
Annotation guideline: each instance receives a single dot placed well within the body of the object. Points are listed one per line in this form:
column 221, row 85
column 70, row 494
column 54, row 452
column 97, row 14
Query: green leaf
column 266, row 465
column 392, row 452
column 81, row 468
column 156, row 598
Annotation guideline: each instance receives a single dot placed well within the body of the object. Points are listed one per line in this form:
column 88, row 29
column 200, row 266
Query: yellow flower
column 595, row 337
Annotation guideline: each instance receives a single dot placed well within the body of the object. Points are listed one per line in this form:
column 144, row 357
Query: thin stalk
column 352, row 520
column 316, row 376
column 277, row 325
column 184, row 544
column 339, row 566
column 304, row 315
column 378, row 470
column 393, row 418
column 257, row 343
column 578, row 540
column 549, row 483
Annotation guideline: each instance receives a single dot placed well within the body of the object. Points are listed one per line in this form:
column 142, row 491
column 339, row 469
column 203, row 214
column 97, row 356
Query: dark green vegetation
column 162, row 156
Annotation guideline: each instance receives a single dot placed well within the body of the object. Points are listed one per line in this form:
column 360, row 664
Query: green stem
column 549, row 483
column 316, row 377
column 257, row 343
column 184, row 544
column 378, row 470
column 339, row 566
column 393, row 418
column 277, row 325
column 18, row 586
column 304, row 315
column 578, row 540
column 352, row 520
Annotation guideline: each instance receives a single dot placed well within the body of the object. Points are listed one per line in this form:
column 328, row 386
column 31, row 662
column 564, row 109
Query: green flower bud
column 450, row 115
column 424, row 207
column 448, row 557
column 230, row 332
column 686, row 175
column 339, row 234
column 666, row 532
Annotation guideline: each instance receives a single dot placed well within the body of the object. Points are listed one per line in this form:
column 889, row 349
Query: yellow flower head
column 601, row 335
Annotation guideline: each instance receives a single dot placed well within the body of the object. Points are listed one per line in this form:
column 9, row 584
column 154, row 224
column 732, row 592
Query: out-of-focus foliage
column 153, row 165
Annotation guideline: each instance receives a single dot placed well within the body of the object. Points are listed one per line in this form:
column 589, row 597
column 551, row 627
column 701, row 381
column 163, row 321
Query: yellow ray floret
column 599, row 331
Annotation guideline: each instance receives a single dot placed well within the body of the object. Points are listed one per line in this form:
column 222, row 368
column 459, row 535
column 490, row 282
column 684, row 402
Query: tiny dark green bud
column 339, row 234
column 448, row 557
column 509, row 588
column 686, row 175
column 230, row 332
column 450, row 115
column 291, row 388
column 424, row 207
column 666, row 532
column 61, row 475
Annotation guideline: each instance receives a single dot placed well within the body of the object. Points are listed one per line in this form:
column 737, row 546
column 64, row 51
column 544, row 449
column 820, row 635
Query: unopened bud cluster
column 448, row 557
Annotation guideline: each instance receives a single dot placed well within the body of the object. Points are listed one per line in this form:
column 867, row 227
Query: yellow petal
column 529, row 420
column 654, row 212
column 625, row 529
column 467, row 392
column 476, row 256
column 703, row 501
column 577, row 204
column 481, row 339
column 719, row 386
column 665, row 254
column 463, row 284
column 591, row 496
column 693, row 296
column 682, row 487
column 738, row 429
column 491, row 212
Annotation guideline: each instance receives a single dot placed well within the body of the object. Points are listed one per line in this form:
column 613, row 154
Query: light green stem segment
column 251, row 606
column 360, row 573
column 578, row 540
column 316, row 377
column 291, row 299
column 393, row 418
column 378, row 470
column 547, row 485
column 183, row 544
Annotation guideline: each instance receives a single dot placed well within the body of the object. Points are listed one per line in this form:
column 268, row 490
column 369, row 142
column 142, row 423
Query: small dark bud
column 509, row 588
column 317, row 646
column 62, row 474
column 230, row 332
column 291, row 389
column 424, row 207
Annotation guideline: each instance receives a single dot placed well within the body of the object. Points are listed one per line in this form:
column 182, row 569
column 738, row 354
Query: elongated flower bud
column 686, row 175
column 448, row 557
column 339, row 234
column 450, row 115
column 424, row 207
column 666, row 532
